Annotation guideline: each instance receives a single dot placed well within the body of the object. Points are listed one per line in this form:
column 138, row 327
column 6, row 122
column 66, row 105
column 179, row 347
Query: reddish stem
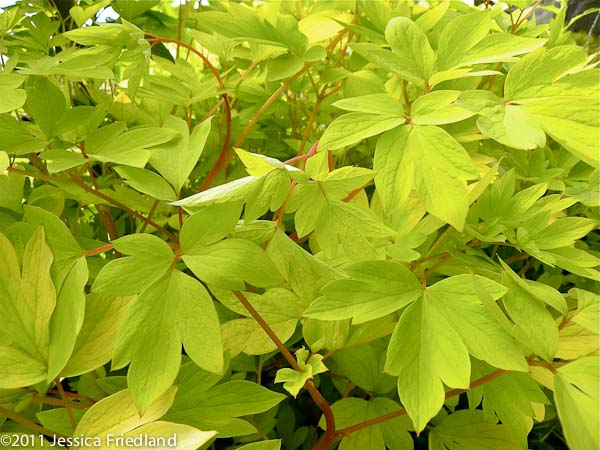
column 227, row 107
column 339, row 434
column 101, row 249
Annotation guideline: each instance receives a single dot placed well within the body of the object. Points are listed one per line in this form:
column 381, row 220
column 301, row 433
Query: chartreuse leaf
column 392, row 434
column 112, row 143
column 454, row 44
column 11, row 98
column 431, row 17
column 540, row 84
column 532, row 319
column 272, row 444
column 173, row 309
column 353, row 127
column 425, row 352
column 46, row 103
column 410, row 43
column 564, row 232
column 234, row 191
column 229, row 263
column 208, row 225
column 363, row 365
column 150, row 259
column 540, row 69
column 14, row 324
column 572, row 122
column 19, row 137
column 411, row 156
column 58, row 419
column 117, row 415
column 95, row 342
column 510, row 125
column 67, row 318
column 310, row 365
column 470, row 429
column 18, row 369
column 373, row 289
column 198, row 323
column 458, row 300
column 577, row 397
column 341, row 182
column 4, row 163
column 147, row 182
column 36, row 298
column 500, row 47
column 280, row 308
column 202, row 403
column 438, row 108
column 258, row 165
column 588, row 311
column 176, row 159
column 511, row 398
column 372, row 104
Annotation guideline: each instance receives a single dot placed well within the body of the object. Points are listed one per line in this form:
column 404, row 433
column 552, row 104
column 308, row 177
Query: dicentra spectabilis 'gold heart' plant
column 298, row 225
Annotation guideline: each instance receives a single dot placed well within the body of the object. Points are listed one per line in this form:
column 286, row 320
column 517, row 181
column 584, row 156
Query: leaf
column 438, row 108
column 374, row 289
column 511, row 398
column 197, row 402
column 11, row 99
column 280, row 309
column 183, row 436
column 36, row 297
column 431, row 17
column 577, row 398
column 147, row 182
column 273, row 444
column 539, row 69
column 176, row 159
column 294, row 380
column 152, row 331
column 588, row 311
column 199, row 325
column 351, row 128
column 363, row 365
column 95, row 342
column 284, row 66
column 458, row 300
column 112, row 143
column 390, row 60
column 150, row 259
column 510, row 125
column 500, row 47
column 150, row 339
column 425, row 351
column 210, row 224
column 393, row 434
column 471, row 430
column 117, row 415
column 531, row 318
column 67, row 318
column 46, row 104
column 454, row 43
column 410, row 155
column 18, row 369
column 410, row 43
column 234, row 191
column 564, row 232
column 227, row 264
column 572, row 122
column 372, row 104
